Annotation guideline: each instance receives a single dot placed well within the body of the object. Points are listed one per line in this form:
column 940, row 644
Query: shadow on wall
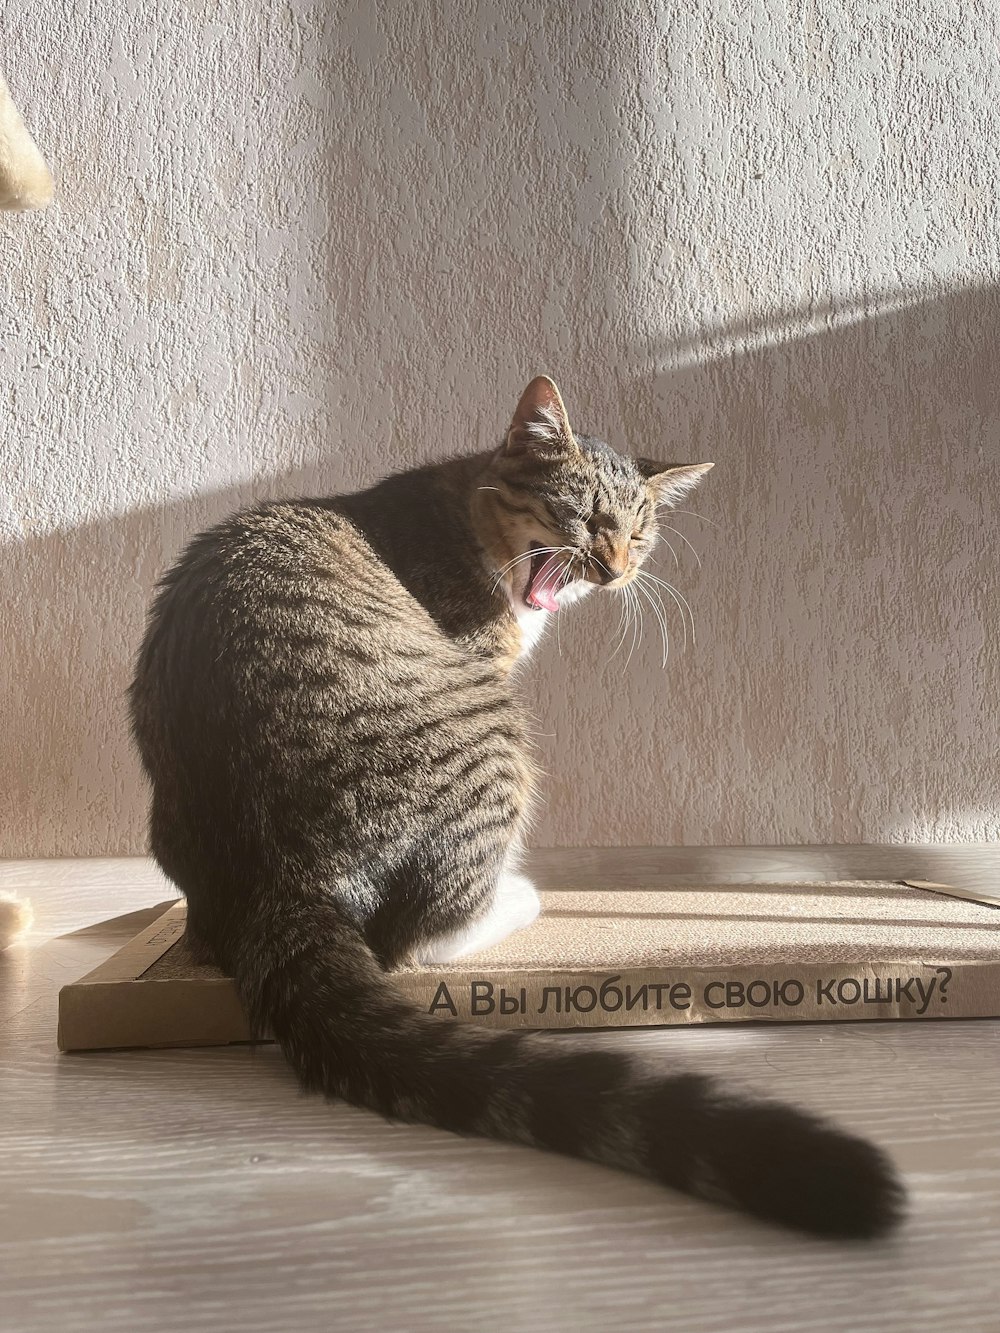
column 847, row 668
column 847, row 678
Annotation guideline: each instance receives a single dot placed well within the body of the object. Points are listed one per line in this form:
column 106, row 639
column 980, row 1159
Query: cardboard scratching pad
column 772, row 952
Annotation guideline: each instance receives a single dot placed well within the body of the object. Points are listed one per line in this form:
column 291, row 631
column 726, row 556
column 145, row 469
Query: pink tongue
column 543, row 587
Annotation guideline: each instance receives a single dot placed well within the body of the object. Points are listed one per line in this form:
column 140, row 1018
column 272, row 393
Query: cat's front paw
column 517, row 900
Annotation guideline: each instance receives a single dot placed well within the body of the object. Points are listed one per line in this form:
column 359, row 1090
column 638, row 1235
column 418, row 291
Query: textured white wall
column 296, row 246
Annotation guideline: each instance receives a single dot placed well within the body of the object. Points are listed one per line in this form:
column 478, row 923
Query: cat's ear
column 540, row 423
column 670, row 482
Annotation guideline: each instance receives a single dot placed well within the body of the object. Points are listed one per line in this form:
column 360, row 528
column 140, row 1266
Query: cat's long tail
column 307, row 976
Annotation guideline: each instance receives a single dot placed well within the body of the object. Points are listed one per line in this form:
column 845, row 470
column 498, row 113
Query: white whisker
column 637, row 626
column 548, row 564
column 685, row 541
column 682, row 602
column 666, row 543
column 659, row 611
column 622, row 624
column 564, row 581
column 692, row 513
column 525, row 555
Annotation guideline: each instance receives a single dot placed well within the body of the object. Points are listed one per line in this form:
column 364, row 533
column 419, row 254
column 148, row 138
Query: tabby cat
column 341, row 778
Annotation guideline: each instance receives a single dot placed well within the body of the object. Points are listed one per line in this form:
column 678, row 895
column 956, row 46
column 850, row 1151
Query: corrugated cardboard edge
column 94, row 1014
column 176, row 1012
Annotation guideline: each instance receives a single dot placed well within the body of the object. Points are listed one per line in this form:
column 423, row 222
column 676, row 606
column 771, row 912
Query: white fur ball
column 15, row 918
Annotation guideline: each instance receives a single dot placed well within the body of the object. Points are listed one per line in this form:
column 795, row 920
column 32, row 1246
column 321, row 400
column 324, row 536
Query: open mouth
column 545, row 578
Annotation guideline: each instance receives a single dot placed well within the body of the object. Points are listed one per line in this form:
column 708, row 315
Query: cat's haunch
column 342, row 774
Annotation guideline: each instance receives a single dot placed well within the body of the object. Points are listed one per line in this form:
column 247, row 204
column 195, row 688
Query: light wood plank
column 197, row 1189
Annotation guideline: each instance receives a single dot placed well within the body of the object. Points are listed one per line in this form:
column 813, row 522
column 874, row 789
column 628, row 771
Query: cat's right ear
column 540, row 423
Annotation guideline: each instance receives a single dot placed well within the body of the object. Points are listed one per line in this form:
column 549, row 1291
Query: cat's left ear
column 670, row 483
column 540, row 424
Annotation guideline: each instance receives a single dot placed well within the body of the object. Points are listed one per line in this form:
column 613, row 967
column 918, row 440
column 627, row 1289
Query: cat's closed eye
column 598, row 523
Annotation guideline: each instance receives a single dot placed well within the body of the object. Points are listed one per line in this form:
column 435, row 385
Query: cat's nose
column 607, row 570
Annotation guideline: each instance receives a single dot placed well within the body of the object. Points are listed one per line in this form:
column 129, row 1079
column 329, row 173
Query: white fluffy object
column 15, row 918
column 25, row 180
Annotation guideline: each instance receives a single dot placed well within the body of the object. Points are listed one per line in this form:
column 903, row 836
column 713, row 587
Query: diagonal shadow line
column 793, row 887
column 791, row 920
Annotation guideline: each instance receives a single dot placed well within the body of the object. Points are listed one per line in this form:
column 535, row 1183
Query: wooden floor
column 198, row 1190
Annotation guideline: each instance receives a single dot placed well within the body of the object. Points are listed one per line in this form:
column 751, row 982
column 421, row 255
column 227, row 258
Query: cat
column 341, row 777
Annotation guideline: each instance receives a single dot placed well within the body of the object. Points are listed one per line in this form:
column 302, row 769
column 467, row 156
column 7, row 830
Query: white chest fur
column 532, row 623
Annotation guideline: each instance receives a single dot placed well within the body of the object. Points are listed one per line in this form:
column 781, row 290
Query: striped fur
column 341, row 773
